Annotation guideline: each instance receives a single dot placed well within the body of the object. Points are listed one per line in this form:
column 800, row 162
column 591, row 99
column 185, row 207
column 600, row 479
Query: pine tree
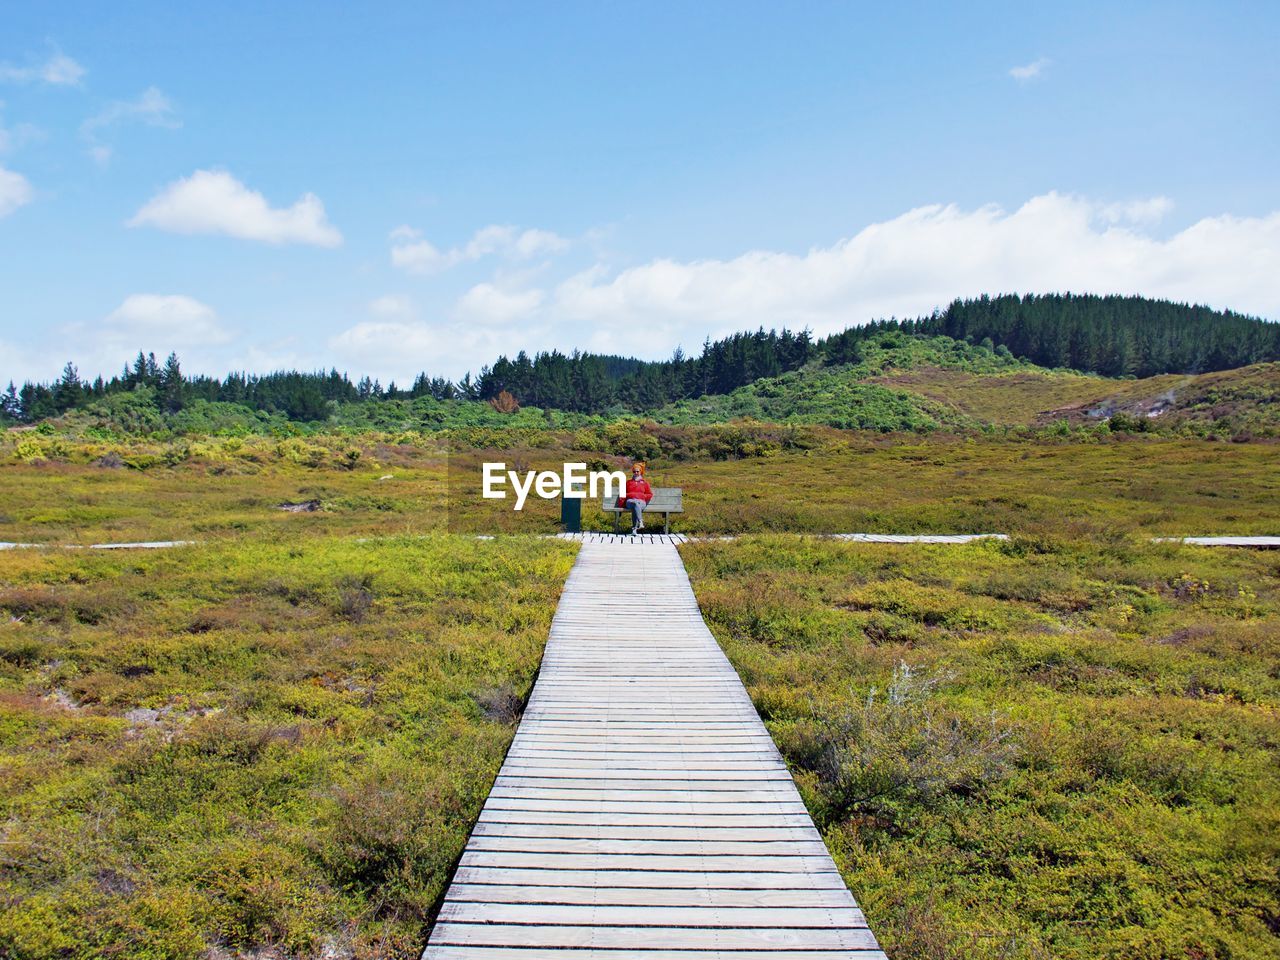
column 10, row 405
column 36, row 401
column 67, row 392
column 172, row 385
column 138, row 375
column 468, row 389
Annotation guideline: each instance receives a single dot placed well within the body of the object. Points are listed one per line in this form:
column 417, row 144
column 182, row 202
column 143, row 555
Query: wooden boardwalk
column 643, row 810
column 1258, row 543
column 592, row 536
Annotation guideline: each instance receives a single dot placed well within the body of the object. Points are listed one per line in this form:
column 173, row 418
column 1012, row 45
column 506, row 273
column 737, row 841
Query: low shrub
column 903, row 752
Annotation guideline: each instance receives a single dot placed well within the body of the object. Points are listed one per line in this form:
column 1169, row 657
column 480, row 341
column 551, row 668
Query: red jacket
column 636, row 490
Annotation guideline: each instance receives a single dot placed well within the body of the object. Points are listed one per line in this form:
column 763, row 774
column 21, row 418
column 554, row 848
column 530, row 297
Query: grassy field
column 1046, row 748
column 275, row 744
column 967, row 486
column 63, row 490
column 852, row 482
column 74, row 503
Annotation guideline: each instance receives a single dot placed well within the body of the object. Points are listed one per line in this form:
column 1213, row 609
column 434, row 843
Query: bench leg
column 666, row 523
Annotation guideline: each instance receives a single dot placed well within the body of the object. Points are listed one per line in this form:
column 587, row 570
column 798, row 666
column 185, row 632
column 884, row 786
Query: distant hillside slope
column 1113, row 336
column 1037, row 397
column 904, row 382
column 847, row 396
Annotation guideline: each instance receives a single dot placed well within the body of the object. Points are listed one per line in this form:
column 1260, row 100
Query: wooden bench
column 666, row 500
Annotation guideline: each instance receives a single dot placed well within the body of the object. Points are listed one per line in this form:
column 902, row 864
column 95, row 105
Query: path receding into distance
column 1259, row 542
column 953, row 538
column 643, row 810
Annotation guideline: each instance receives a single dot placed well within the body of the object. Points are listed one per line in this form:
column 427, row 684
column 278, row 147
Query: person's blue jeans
column 637, row 511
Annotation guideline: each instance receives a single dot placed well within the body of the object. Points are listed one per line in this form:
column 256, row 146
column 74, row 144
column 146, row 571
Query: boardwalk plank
column 658, row 938
column 641, row 879
column 633, row 953
column 649, row 896
column 770, row 834
column 787, row 918
column 648, row 845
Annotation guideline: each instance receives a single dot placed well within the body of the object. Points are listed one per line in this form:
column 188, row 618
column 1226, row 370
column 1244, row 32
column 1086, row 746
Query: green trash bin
column 571, row 514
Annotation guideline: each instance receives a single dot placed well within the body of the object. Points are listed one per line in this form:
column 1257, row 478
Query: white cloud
column 143, row 321
column 173, row 320
column 1030, row 71
column 151, row 107
column 15, row 191
column 391, row 305
column 486, row 303
column 488, row 240
column 906, row 267
column 391, row 350
column 281, row 353
column 395, row 342
column 411, row 252
column 375, row 339
column 393, row 345
column 1150, row 210
column 921, row 260
column 535, row 243
column 59, row 71
column 215, row 202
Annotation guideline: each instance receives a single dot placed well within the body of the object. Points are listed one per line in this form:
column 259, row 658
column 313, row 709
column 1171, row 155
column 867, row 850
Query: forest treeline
column 1113, row 335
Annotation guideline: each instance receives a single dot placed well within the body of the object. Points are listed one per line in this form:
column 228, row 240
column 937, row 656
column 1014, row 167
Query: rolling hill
column 913, row 382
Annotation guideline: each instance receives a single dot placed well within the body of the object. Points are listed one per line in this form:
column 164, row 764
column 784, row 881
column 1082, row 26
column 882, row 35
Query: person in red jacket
column 638, row 494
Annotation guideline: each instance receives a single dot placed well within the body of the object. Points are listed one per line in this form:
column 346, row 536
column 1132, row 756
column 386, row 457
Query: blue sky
column 402, row 187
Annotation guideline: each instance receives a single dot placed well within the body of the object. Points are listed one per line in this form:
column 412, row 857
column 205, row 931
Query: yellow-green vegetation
column 1043, row 748
column 962, row 486
column 855, row 482
column 277, row 739
column 59, row 489
column 788, row 480
column 275, row 744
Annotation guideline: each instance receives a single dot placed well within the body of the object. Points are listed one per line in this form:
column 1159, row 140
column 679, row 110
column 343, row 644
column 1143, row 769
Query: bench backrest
column 664, row 498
